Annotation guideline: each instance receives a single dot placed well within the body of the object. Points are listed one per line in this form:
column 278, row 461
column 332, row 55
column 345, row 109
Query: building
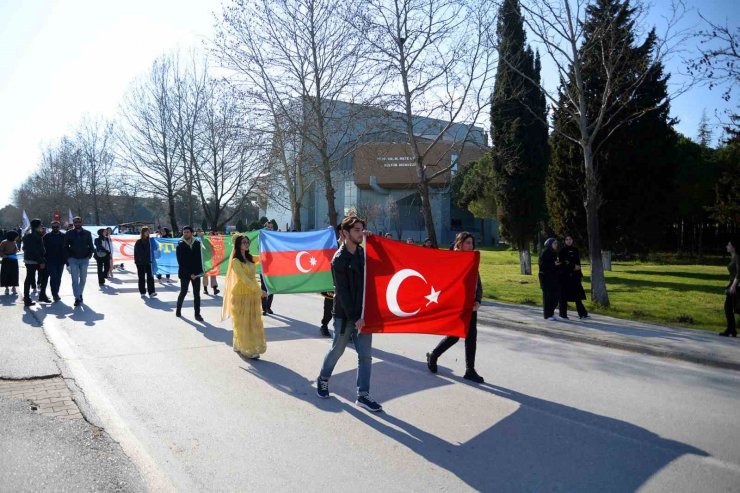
column 375, row 176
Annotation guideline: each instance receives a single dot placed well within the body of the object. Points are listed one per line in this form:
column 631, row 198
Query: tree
column 297, row 60
column 148, row 139
column 472, row 188
column 95, row 141
column 439, row 61
column 719, row 63
column 518, row 135
column 704, row 132
column 726, row 208
column 599, row 39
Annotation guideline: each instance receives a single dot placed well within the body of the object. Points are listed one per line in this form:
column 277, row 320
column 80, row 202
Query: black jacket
column 54, row 245
column 101, row 245
column 33, row 248
column 570, row 278
column 549, row 272
column 142, row 252
column 78, row 244
column 348, row 272
column 188, row 259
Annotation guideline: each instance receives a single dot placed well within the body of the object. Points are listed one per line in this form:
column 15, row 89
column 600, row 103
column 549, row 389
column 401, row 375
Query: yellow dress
column 243, row 303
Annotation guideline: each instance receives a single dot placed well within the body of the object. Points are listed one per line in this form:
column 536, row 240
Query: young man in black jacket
column 78, row 248
column 348, row 271
column 34, row 256
column 190, row 269
column 55, row 260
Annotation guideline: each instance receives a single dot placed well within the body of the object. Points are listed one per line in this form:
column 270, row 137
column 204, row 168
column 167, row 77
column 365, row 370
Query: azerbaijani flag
column 298, row 262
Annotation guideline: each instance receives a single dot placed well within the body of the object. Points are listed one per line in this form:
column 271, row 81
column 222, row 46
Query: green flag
column 216, row 251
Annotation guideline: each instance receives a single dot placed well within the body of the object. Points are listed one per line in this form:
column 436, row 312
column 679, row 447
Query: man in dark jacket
column 348, row 271
column 55, row 260
column 78, row 248
column 34, row 256
column 190, row 270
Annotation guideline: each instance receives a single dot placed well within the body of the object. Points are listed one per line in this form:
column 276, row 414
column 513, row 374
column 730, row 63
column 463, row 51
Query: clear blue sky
column 61, row 60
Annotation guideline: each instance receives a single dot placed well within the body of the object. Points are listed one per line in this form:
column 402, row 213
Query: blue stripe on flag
column 276, row 241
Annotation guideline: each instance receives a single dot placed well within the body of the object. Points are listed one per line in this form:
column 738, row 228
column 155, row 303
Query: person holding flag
column 348, row 272
column 463, row 242
column 242, row 301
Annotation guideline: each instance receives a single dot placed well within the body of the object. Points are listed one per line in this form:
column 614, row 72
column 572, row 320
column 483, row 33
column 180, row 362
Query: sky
column 63, row 59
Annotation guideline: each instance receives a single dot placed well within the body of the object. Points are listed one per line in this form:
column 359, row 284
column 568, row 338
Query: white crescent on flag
column 298, row 262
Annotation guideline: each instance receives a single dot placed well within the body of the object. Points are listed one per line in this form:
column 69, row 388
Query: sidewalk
column 695, row 346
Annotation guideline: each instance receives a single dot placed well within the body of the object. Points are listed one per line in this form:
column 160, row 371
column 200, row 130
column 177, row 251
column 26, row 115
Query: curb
column 689, row 357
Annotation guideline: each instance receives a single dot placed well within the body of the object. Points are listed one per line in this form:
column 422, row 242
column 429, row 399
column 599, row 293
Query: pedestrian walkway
column 696, row 346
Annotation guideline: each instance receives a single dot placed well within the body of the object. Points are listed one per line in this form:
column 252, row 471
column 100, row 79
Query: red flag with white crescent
column 411, row 289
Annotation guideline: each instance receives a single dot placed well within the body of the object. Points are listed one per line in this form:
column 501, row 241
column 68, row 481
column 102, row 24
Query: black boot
column 472, row 375
column 432, row 362
column 205, row 289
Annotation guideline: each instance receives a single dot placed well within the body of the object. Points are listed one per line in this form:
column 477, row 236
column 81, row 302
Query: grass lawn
column 685, row 295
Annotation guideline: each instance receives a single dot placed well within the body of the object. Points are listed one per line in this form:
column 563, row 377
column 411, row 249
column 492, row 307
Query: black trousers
column 328, row 307
column 103, row 268
column 31, row 270
column 471, row 343
column 730, row 313
column 184, row 285
column 144, row 272
column 563, row 307
column 550, row 300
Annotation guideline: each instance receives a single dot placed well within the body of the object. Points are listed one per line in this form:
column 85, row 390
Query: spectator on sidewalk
column 55, row 260
column 78, row 248
column 571, row 275
column 190, row 270
column 549, row 276
column 143, row 261
column 348, row 271
column 34, row 256
column 463, row 242
column 732, row 297
column 9, row 267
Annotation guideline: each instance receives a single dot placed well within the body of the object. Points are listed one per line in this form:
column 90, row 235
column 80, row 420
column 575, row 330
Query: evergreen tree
column 633, row 152
column 519, row 135
column 704, row 132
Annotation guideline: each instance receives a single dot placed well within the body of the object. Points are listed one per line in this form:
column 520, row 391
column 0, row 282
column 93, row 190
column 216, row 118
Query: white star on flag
column 313, row 261
column 433, row 297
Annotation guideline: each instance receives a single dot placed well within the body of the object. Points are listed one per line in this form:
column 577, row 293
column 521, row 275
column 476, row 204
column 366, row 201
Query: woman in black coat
column 732, row 298
column 550, row 278
column 143, row 260
column 570, row 280
column 102, row 256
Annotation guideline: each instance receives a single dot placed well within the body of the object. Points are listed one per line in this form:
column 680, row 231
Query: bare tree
column 95, row 141
column 299, row 60
column 231, row 159
column 440, row 63
column 148, row 137
column 719, row 63
column 595, row 114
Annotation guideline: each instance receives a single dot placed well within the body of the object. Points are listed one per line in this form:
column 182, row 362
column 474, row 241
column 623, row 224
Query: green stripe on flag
column 300, row 283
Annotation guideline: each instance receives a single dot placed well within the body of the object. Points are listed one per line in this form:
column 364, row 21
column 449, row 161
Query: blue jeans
column 364, row 346
column 78, row 271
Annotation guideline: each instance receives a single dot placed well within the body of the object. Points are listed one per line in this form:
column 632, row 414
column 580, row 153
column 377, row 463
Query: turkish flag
column 419, row 290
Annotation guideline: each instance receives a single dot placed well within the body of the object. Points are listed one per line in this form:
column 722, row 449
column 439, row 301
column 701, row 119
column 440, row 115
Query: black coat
column 348, row 272
column 78, row 244
column 142, row 252
column 570, row 278
column 189, row 260
column 54, row 245
column 33, row 248
column 101, row 245
column 549, row 272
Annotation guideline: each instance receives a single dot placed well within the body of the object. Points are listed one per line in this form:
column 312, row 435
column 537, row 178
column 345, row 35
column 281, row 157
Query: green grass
column 672, row 294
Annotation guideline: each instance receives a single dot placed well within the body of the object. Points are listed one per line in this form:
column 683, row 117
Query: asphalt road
column 552, row 416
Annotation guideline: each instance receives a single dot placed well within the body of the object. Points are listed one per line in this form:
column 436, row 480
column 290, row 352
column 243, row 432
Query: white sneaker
column 552, row 319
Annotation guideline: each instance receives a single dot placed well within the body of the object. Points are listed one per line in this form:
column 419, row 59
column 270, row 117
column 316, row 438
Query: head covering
column 549, row 242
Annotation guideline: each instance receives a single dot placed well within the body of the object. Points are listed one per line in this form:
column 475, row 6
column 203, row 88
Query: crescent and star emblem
column 391, row 293
column 298, row 265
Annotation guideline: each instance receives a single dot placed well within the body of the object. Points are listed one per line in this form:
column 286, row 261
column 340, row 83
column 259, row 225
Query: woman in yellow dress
column 243, row 302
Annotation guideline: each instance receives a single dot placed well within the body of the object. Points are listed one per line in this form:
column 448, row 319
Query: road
column 552, row 416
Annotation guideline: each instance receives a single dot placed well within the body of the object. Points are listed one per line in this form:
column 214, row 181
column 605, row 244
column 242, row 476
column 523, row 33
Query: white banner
column 123, row 247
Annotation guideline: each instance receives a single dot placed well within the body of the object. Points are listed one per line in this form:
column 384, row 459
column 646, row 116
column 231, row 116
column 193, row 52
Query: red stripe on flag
column 297, row 262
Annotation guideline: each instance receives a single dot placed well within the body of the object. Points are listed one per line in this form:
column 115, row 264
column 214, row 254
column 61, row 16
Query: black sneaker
column 269, row 310
column 152, row 295
column 322, row 388
column 216, row 291
column 325, row 331
column 78, row 301
column 28, row 302
column 57, row 298
column 369, row 404
column 431, row 363
column 177, row 313
column 198, row 318
column 473, row 376
column 44, row 299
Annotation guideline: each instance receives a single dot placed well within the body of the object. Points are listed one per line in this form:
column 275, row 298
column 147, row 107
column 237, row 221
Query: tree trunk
column 171, row 214
column 330, row 197
column 296, row 216
column 606, row 259
column 426, row 205
column 598, row 280
column 525, row 261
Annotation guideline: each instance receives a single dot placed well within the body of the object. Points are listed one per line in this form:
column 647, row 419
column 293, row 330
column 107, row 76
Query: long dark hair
column 460, row 239
column 237, row 253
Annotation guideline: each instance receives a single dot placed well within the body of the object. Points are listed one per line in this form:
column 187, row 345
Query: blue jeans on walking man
column 78, row 271
column 363, row 345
